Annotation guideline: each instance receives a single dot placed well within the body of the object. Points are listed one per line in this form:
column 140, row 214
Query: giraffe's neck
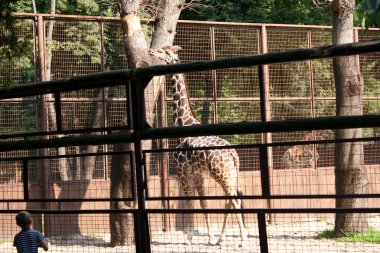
column 183, row 115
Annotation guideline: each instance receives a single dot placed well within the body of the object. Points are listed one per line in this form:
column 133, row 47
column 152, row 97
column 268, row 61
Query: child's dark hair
column 23, row 219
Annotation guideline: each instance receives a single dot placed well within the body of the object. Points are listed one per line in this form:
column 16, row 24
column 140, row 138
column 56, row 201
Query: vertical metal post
column 101, row 34
column 265, row 112
column 312, row 97
column 25, row 179
column 214, row 76
column 41, row 46
column 263, row 237
column 57, row 104
column 104, row 106
column 164, row 161
column 44, row 122
column 311, row 77
column 264, row 171
column 142, row 237
column 35, row 48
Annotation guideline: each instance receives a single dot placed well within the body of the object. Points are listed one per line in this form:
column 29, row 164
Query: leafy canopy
column 370, row 10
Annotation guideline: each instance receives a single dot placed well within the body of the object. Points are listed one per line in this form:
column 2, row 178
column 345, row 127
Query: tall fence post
column 214, row 91
column 44, row 123
column 265, row 111
column 263, row 237
column 164, row 159
column 142, row 237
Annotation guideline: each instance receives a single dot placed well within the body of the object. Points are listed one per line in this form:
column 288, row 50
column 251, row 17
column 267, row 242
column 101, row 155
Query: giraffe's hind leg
column 222, row 236
column 233, row 203
column 239, row 216
column 199, row 185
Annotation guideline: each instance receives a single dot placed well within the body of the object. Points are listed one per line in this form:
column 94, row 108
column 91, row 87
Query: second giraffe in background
column 304, row 155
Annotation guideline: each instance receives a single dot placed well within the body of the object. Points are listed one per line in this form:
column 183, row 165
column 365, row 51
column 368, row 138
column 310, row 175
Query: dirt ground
column 289, row 238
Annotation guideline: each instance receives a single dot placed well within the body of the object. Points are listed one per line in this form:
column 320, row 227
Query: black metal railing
column 135, row 82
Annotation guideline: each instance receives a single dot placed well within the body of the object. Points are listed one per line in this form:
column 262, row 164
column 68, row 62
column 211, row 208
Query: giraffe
column 221, row 164
column 304, row 156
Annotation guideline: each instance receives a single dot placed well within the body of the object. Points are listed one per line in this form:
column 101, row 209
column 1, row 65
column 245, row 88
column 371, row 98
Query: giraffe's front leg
column 188, row 226
column 199, row 185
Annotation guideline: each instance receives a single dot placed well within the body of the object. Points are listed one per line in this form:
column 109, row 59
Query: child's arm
column 14, row 245
column 44, row 244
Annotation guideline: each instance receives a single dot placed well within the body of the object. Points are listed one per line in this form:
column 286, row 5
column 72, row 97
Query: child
column 28, row 240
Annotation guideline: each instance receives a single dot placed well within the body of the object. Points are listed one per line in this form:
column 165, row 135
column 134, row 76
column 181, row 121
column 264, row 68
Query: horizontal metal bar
column 245, row 197
column 258, row 197
column 67, row 141
column 259, row 145
column 341, row 122
column 80, row 82
column 213, row 211
column 193, row 99
column 264, row 210
column 76, row 131
column 84, row 211
column 118, row 77
column 65, row 200
column 268, row 58
column 180, row 22
column 27, row 158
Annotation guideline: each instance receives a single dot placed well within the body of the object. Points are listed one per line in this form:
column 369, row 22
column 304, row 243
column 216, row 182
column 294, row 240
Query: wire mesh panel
column 91, row 235
column 17, row 53
column 175, row 239
column 23, row 113
column 114, row 52
column 316, row 235
column 76, row 178
column 75, row 48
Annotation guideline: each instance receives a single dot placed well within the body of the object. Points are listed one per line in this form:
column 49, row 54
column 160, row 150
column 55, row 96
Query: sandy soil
column 289, row 238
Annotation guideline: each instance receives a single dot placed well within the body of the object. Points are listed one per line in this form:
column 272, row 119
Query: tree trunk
column 98, row 121
column 64, row 171
column 350, row 173
column 121, row 225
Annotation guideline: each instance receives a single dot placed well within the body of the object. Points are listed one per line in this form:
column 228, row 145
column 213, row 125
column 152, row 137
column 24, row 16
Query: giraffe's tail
column 240, row 193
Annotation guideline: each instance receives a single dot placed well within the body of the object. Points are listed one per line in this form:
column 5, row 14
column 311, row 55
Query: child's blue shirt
column 28, row 240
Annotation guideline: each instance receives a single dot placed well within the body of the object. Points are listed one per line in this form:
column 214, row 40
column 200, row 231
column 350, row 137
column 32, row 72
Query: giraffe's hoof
column 242, row 244
column 211, row 240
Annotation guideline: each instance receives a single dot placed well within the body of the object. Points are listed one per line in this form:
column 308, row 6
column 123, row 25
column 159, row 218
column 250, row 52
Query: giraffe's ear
column 175, row 48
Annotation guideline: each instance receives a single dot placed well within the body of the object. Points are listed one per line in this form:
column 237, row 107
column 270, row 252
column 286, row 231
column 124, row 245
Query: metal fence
column 300, row 198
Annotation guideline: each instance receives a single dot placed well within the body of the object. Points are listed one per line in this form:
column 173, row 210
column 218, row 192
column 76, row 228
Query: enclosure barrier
column 135, row 82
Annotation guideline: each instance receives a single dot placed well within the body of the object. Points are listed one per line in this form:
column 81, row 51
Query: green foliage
column 16, row 47
column 82, row 40
column 370, row 11
column 371, row 236
column 269, row 11
column 229, row 112
column 23, row 117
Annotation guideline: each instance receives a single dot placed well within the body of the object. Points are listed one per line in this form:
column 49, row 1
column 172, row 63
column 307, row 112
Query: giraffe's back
column 221, row 164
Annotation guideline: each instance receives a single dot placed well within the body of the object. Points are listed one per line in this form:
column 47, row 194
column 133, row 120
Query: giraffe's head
column 167, row 54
